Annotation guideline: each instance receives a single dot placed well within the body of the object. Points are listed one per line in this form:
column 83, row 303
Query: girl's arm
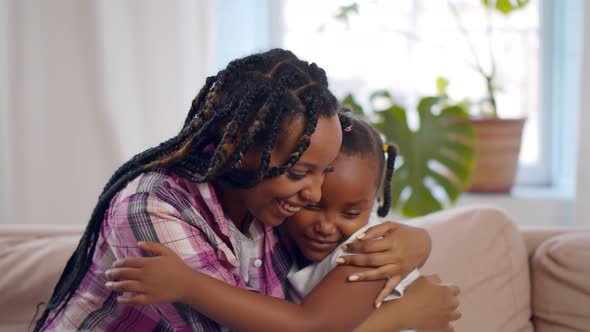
column 334, row 305
column 392, row 249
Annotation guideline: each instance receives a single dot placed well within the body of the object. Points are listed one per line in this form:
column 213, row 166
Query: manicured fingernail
column 353, row 277
column 339, row 260
column 344, row 246
column 378, row 305
column 108, row 273
column 108, row 284
column 360, row 237
column 140, row 243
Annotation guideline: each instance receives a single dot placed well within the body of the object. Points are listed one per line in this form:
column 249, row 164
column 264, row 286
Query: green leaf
column 350, row 102
column 380, row 94
column 344, row 12
column 440, row 149
column 505, row 6
column 450, row 187
column 441, row 86
column 421, row 202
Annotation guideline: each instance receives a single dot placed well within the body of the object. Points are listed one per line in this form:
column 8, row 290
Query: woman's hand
column 153, row 280
column 429, row 305
column 393, row 249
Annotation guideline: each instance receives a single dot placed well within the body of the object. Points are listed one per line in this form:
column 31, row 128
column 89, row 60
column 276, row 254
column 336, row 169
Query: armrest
column 534, row 236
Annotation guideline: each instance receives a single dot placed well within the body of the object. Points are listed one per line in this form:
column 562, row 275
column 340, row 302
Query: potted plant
column 435, row 161
column 498, row 140
column 453, row 149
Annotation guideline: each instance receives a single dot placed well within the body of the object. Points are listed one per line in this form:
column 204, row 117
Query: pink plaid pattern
column 188, row 218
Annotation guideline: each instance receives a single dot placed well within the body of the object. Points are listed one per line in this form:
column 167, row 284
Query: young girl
column 347, row 200
column 254, row 149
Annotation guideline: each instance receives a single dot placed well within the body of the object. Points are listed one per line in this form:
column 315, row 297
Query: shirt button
column 257, row 262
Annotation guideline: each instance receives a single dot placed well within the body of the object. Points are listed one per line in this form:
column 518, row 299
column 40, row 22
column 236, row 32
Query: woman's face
column 277, row 198
column 348, row 195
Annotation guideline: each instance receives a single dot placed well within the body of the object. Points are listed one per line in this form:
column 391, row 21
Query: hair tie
column 348, row 129
column 385, row 148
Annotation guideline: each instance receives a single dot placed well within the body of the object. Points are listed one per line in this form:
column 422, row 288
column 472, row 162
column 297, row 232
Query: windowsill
column 530, row 206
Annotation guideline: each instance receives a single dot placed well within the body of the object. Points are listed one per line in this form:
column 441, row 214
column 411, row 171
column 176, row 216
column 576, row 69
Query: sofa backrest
column 32, row 258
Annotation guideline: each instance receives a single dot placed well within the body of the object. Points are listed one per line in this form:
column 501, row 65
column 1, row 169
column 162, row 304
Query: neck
column 231, row 203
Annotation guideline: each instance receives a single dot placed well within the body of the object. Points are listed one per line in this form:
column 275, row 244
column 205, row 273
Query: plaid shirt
column 188, row 218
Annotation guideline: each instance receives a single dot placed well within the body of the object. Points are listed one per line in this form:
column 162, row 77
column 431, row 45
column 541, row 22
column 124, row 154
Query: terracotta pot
column 497, row 149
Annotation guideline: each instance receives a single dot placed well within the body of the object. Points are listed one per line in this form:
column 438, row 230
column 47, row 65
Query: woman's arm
column 426, row 304
column 163, row 215
column 334, row 305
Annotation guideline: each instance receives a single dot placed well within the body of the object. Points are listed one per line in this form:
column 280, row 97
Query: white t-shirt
column 304, row 280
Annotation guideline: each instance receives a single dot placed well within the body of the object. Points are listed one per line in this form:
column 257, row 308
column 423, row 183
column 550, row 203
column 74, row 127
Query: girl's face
column 348, row 194
column 277, row 198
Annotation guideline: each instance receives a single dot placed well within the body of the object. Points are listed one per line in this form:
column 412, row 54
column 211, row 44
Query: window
column 404, row 45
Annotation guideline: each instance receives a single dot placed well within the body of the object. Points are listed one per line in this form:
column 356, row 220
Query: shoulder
column 160, row 194
column 159, row 185
column 147, row 183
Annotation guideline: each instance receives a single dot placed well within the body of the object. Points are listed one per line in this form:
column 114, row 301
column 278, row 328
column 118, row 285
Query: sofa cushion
column 561, row 283
column 30, row 268
column 480, row 250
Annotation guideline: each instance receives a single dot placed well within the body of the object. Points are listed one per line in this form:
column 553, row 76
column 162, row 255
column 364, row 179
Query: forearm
column 242, row 310
column 388, row 318
column 321, row 310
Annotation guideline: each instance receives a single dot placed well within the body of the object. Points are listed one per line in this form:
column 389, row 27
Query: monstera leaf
column 439, row 154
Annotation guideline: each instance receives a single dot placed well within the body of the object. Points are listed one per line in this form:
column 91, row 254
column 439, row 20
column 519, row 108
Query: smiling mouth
column 290, row 207
column 287, row 209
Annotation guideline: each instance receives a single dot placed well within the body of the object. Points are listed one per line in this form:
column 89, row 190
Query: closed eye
column 312, row 207
column 351, row 214
column 294, row 175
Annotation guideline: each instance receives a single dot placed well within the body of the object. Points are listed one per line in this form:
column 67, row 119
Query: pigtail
column 391, row 152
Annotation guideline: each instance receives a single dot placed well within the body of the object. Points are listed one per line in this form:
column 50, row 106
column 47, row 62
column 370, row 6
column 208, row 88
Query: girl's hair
column 361, row 139
column 240, row 108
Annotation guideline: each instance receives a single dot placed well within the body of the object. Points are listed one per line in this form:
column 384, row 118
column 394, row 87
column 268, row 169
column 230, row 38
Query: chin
column 315, row 256
column 274, row 221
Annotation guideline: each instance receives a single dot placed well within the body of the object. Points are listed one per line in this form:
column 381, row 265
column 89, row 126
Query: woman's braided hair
column 240, row 108
column 364, row 140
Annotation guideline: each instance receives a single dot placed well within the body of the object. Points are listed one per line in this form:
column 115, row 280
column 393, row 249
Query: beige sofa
column 511, row 279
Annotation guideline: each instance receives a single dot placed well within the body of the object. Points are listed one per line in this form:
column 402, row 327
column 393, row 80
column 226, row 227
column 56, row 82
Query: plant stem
column 491, row 94
column 489, row 78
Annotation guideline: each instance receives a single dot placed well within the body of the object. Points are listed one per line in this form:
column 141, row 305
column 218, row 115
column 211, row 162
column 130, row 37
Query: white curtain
column 84, row 86
column 583, row 165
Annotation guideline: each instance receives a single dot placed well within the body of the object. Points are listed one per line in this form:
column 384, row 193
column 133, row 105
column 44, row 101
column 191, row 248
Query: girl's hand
column 429, row 305
column 153, row 280
column 393, row 249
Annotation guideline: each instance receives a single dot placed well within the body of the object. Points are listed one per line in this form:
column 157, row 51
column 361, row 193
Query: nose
column 325, row 225
column 312, row 193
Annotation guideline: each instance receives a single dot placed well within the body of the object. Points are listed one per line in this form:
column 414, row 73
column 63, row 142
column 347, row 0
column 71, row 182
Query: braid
column 391, row 155
column 199, row 100
column 240, row 108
